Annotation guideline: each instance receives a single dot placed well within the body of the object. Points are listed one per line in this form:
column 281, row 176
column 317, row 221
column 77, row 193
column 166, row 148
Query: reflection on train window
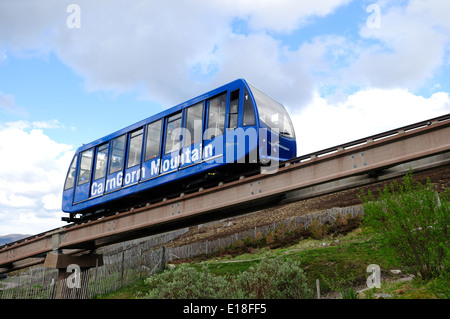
column 100, row 163
column 273, row 114
column 216, row 116
column 193, row 133
column 117, row 154
column 234, row 107
column 85, row 167
column 153, row 140
column 173, row 133
column 70, row 180
column 134, row 154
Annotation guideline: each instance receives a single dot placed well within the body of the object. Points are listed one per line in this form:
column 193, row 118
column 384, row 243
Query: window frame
column 148, row 140
column 248, row 106
column 105, row 169
column 233, row 115
column 175, row 146
column 82, row 170
column 71, row 174
column 133, row 136
column 194, row 138
column 209, row 135
column 111, row 156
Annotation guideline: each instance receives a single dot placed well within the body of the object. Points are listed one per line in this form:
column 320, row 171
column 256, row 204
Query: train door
column 171, row 153
column 191, row 152
column 232, row 123
column 213, row 144
column 114, row 176
column 84, row 176
column 101, row 161
column 251, row 131
column 133, row 167
column 241, row 140
column 150, row 167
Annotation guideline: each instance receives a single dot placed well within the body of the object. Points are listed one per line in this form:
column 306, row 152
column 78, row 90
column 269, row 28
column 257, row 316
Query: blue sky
column 71, row 74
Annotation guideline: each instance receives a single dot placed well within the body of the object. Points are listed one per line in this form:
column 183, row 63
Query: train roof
column 163, row 114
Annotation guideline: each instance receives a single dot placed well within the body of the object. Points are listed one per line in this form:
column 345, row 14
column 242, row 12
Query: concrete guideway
column 422, row 146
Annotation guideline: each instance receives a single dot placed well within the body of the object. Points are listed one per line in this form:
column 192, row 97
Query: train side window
column 70, row 179
column 117, row 154
column 173, row 133
column 101, row 160
column 153, row 140
column 249, row 112
column 84, row 174
column 216, row 116
column 134, row 154
column 194, row 123
column 234, row 107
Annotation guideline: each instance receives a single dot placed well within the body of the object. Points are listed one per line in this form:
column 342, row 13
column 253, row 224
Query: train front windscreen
column 273, row 114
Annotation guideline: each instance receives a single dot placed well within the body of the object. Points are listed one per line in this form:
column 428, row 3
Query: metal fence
column 118, row 271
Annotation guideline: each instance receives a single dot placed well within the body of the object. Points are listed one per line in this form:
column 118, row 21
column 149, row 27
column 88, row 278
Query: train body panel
column 224, row 130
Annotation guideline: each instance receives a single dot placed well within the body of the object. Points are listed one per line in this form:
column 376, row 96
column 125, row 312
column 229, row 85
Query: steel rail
column 372, row 154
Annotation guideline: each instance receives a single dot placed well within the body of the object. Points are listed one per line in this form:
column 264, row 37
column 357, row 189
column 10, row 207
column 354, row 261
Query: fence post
column 140, row 263
column 318, row 288
column 121, row 269
column 163, row 259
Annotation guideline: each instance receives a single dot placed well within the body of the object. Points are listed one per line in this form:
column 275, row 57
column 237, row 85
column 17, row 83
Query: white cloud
column 32, row 173
column 159, row 45
column 409, row 47
column 282, row 15
column 325, row 124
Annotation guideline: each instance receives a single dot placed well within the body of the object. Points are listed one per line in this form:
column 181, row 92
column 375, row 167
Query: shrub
column 271, row 278
column 317, row 229
column 186, row 282
column 412, row 220
column 274, row 279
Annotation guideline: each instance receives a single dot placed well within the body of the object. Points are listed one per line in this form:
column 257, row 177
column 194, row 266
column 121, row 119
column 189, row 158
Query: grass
column 338, row 261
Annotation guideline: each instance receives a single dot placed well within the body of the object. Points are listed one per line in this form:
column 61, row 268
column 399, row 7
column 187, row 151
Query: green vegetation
column 273, row 278
column 406, row 220
column 411, row 221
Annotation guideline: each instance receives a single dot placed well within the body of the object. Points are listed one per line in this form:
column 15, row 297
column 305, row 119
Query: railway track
column 423, row 146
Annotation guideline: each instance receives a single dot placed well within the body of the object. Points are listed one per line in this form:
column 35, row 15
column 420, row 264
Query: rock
column 395, row 271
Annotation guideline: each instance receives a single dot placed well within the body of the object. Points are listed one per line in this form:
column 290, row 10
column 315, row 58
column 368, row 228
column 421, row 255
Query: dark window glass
column 100, row 163
column 117, row 154
column 234, row 108
column 173, row 133
column 194, row 122
column 134, row 153
column 216, row 116
column 153, row 140
column 85, row 167
column 249, row 112
column 70, row 179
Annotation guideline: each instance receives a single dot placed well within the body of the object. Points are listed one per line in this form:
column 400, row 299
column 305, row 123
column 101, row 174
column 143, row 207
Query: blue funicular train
column 223, row 133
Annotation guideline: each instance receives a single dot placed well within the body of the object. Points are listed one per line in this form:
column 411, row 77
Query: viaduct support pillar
column 73, row 276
